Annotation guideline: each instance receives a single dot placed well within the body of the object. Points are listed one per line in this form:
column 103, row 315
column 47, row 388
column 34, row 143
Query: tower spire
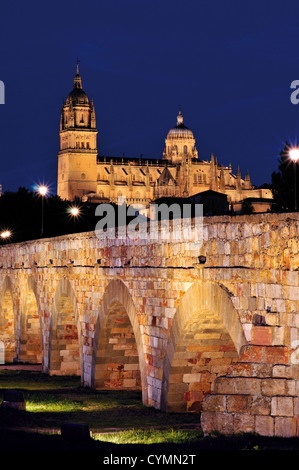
column 77, row 79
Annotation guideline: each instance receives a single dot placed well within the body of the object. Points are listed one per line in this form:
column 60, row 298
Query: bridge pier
column 257, row 394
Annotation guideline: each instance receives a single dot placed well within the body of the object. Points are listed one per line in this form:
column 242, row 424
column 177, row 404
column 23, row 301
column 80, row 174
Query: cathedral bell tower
column 77, row 158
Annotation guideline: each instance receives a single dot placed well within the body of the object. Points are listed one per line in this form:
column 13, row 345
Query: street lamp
column 5, row 234
column 294, row 156
column 75, row 211
column 42, row 190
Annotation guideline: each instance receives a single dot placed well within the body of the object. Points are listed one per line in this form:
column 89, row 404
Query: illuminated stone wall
column 219, row 338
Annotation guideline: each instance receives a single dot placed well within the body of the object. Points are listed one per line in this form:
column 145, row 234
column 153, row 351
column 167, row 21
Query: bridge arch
column 65, row 348
column 205, row 337
column 7, row 321
column 118, row 356
column 31, row 344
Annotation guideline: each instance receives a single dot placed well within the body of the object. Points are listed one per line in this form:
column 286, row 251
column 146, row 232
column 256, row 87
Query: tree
column 21, row 213
column 283, row 182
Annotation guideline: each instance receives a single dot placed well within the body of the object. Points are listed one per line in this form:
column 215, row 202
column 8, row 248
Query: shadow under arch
column 65, row 339
column 205, row 337
column 31, row 339
column 118, row 310
column 7, row 321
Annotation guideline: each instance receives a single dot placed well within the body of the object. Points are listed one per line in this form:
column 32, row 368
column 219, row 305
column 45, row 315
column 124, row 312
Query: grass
column 139, row 436
column 51, row 401
column 118, row 421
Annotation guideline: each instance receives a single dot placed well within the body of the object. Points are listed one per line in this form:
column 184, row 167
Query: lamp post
column 75, row 213
column 42, row 190
column 294, row 156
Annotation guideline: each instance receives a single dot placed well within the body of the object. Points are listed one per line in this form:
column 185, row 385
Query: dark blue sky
column 229, row 64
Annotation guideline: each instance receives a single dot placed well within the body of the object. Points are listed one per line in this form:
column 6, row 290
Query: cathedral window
column 77, row 145
column 87, row 145
column 82, row 145
column 185, row 150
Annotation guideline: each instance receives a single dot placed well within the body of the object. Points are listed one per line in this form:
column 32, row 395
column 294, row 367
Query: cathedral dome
column 180, row 130
column 77, row 96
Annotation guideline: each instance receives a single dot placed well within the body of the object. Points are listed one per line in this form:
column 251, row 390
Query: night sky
column 228, row 64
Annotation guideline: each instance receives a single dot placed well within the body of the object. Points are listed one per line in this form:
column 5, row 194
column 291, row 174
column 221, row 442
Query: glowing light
column 5, row 234
column 75, row 211
column 42, row 190
column 294, row 154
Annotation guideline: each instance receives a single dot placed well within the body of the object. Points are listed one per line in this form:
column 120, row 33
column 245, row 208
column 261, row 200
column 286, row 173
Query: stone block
column 261, row 405
column 240, row 369
column 276, row 355
column 281, row 371
column 224, row 385
column 221, row 422
column 251, row 353
column 188, row 378
column 247, row 385
column 282, row 406
column 264, row 425
column 129, row 383
column 239, row 404
column 243, row 423
column 261, row 335
column 214, row 403
column 285, row 427
column 261, row 370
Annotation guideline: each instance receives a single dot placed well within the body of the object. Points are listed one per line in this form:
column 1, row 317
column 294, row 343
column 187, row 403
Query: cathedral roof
column 180, row 130
column 77, row 96
column 165, row 178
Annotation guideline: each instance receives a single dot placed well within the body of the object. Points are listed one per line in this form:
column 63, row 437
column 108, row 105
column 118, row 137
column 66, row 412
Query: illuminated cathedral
column 83, row 173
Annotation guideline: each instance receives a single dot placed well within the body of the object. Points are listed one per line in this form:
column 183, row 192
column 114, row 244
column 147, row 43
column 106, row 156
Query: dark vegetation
column 52, row 401
column 283, row 182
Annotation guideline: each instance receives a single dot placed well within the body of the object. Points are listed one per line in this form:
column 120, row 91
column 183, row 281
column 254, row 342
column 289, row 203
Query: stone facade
column 218, row 338
column 180, row 173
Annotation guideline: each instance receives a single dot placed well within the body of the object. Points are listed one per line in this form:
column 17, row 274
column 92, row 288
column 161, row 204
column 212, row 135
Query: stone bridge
column 219, row 338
